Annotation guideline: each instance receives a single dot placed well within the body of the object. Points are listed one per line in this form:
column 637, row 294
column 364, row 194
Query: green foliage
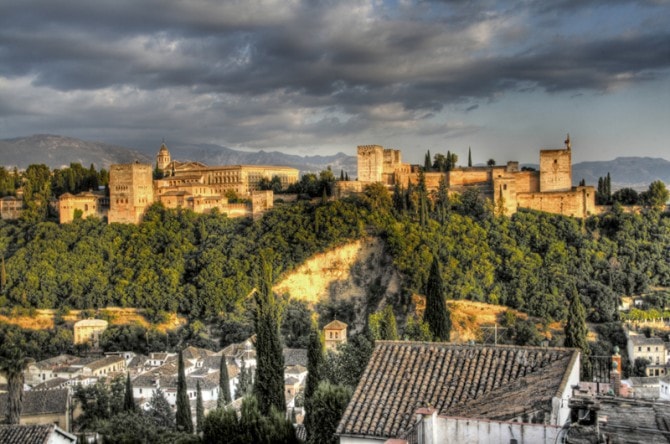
column 199, row 409
column 244, row 381
column 640, row 367
column 383, row 325
column 160, row 411
column 346, row 366
column 417, row 330
column 315, row 369
column 14, row 358
column 128, row 401
column 250, row 428
column 224, row 384
column 183, row 417
column 656, row 197
column 269, row 384
column 328, row 405
column 437, row 315
column 99, row 402
column 296, row 322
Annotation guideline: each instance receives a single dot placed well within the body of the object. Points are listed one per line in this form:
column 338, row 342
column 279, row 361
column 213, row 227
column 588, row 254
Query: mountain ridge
column 57, row 151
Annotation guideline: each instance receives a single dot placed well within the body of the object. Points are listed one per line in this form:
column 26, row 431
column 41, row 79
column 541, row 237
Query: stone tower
column 556, row 169
column 370, row 163
column 163, row 157
column 131, row 191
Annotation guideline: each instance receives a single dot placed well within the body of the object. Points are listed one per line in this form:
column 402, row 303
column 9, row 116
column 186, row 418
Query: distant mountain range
column 58, row 151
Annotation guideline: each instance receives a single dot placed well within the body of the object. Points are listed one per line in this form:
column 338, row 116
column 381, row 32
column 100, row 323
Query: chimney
column 616, row 357
column 615, row 378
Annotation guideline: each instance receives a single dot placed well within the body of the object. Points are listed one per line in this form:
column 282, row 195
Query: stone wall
column 579, row 202
column 89, row 204
column 461, row 177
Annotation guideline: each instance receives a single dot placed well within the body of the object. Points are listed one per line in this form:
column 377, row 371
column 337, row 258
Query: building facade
column 188, row 185
column 549, row 189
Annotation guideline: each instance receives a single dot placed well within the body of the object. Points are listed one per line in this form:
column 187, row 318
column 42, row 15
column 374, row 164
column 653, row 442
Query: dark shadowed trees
column 437, row 314
column 184, row 421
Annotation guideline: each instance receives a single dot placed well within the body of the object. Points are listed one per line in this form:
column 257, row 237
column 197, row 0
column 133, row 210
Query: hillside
column 58, row 151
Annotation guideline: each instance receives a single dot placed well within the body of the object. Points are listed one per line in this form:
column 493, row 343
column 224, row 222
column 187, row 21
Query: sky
column 306, row 77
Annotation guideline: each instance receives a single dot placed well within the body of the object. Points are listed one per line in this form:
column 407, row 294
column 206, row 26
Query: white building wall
column 474, row 431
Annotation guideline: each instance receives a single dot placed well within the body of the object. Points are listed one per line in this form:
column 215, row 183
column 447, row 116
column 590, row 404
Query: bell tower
column 163, row 158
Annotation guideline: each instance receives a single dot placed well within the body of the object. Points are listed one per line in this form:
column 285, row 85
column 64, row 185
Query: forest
column 205, row 265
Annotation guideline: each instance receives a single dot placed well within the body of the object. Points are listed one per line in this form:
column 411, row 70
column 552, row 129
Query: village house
column 89, row 331
column 43, row 407
column 488, row 385
column 652, row 349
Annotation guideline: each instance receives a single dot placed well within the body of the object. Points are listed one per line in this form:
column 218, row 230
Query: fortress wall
column 465, row 177
column 555, row 170
column 505, row 191
column 527, row 181
column 579, row 202
column 432, row 180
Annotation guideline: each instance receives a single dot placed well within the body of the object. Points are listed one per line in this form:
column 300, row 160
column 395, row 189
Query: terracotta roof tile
column 39, row 402
column 467, row 380
column 26, row 434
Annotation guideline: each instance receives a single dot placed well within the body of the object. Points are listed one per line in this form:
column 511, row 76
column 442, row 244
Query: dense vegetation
column 205, row 265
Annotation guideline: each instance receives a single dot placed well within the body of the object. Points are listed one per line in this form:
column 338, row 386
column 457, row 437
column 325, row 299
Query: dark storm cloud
column 321, row 68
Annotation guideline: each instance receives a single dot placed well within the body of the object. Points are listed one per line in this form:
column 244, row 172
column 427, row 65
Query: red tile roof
column 465, row 380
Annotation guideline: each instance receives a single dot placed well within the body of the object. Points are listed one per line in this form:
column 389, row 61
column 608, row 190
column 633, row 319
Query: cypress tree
column 437, row 314
column 128, row 401
column 341, row 174
column 184, row 421
column 315, row 361
column 427, row 164
column 469, row 157
column 244, row 381
column 3, row 276
column 199, row 409
column 576, row 331
column 224, row 384
column 269, row 384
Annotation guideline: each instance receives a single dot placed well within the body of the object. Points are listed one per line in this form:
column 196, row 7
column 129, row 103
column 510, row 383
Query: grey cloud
column 258, row 68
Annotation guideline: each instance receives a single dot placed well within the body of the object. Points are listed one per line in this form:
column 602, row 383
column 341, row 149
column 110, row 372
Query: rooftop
column 459, row 380
column 39, row 402
column 32, row 434
column 335, row 325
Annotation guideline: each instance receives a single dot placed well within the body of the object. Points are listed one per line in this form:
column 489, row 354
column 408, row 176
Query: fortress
column 191, row 185
column 549, row 189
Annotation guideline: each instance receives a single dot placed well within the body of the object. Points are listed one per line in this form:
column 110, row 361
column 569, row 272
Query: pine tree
column 224, row 384
column 437, row 314
column 199, row 409
column 128, row 401
column 269, row 384
column 315, row 362
column 184, row 421
column 160, row 411
column 469, row 157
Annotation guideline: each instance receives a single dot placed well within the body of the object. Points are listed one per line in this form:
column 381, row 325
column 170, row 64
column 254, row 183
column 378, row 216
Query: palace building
column 549, row 189
column 190, row 185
